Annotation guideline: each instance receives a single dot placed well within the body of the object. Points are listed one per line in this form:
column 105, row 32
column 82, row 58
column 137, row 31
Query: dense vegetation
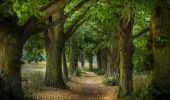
column 125, row 38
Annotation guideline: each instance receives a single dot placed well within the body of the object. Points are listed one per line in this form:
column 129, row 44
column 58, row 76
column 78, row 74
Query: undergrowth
column 111, row 81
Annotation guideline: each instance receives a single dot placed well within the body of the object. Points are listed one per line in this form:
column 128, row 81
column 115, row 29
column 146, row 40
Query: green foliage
column 111, row 80
column 27, row 93
column 34, row 49
column 27, row 8
column 98, row 71
column 96, row 33
column 142, row 21
column 71, row 19
column 23, row 9
column 32, row 82
column 6, row 8
column 140, row 95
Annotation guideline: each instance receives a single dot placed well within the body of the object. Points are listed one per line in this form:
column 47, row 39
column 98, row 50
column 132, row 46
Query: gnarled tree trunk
column 54, row 40
column 126, row 65
column 126, row 50
column 160, row 34
column 10, row 67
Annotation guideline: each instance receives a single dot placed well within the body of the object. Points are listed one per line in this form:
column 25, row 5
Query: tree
column 14, row 33
column 74, row 56
column 111, row 61
column 64, row 64
column 55, row 42
column 159, row 49
column 54, row 45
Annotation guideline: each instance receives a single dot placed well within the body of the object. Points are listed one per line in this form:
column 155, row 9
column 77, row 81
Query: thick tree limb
column 74, row 9
column 31, row 28
column 141, row 33
column 53, row 8
column 33, row 25
column 78, row 22
column 66, row 37
column 110, row 3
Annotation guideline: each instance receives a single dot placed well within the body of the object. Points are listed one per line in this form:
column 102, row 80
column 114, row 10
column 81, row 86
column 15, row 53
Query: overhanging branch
column 77, row 7
column 79, row 21
column 141, row 33
column 66, row 37
column 53, row 8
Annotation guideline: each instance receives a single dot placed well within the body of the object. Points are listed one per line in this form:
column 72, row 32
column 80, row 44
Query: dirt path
column 87, row 87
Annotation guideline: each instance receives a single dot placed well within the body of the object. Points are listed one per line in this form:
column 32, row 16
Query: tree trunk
column 90, row 60
column 65, row 69
column 73, row 56
column 82, row 60
column 104, row 60
column 160, row 27
column 54, row 41
column 99, row 62
column 10, row 67
column 126, row 65
column 111, row 61
column 126, row 50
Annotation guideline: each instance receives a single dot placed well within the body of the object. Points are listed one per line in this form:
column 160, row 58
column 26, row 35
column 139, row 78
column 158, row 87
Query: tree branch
column 53, row 8
column 110, row 3
column 31, row 28
column 34, row 24
column 78, row 22
column 66, row 37
column 141, row 33
column 74, row 9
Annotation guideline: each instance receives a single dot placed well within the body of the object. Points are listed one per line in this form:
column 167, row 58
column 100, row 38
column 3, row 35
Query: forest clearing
column 84, row 49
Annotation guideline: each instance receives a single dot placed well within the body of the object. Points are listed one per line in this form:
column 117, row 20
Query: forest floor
column 86, row 87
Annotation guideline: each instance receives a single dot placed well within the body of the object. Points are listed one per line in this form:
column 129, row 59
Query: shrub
column 98, row 71
column 111, row 81
column 31, row 82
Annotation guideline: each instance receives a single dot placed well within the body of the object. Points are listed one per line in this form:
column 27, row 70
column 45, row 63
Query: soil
column 86, row 87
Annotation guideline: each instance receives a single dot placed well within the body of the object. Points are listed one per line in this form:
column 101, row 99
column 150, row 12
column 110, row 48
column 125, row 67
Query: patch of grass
column 32, row 82
column 111, row 81
column 140, row 82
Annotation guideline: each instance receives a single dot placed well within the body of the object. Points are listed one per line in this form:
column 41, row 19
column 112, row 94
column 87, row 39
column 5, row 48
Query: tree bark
column 65, row 69
column 54, row 40
column 90, row 60
column 126, row 65
column 111, row 61
column 104, row 60
column 99, row 63
column 126, row 50
column 10, row 67
column 160, row 34
column 73, row 56
column 82, row 60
